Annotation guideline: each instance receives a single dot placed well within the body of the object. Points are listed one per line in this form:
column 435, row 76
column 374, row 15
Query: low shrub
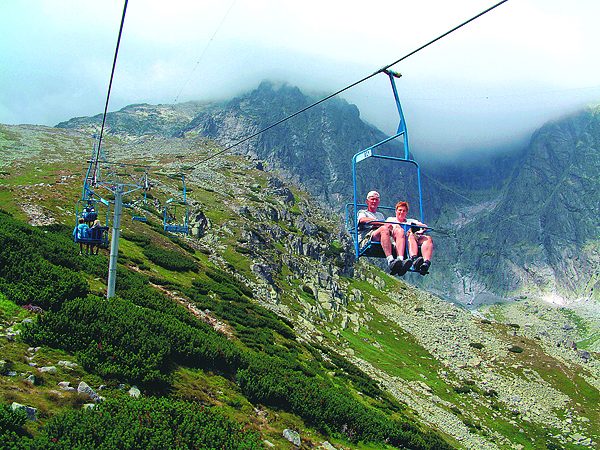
column 6, row 366
column 222, row 277
column 515, row 349
column 169, row 259
column 136, row 345
column 334, row 251
column 242, row 250
column 145, row 423
column 139, row 239
column 11, row 420
column 37, row 266
column 308, row 290
column 491, row 393
column 184, row 245
column 332, row 410
column 462, row 390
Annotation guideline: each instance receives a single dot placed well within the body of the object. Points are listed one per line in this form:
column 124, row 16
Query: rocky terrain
column 499, row 374
column 521, row 223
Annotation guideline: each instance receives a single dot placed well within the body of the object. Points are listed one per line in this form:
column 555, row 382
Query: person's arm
column 417, row 226
column 369, row 222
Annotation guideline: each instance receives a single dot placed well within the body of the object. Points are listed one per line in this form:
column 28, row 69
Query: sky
column 485, row 87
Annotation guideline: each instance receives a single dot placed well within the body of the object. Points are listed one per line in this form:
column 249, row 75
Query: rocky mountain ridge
column 453, row 367
column 517, row 224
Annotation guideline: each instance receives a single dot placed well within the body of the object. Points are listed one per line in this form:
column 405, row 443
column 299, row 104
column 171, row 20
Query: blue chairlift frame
column 373, row 248
column 90, row 207
column 136, row 205
column 171, row 207
column 109, row 180
column 141, row 204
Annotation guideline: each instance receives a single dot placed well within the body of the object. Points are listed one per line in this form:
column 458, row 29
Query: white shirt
column 408, row 222
column 362, row 231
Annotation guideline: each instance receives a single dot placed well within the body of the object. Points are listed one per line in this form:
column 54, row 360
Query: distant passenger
column 80, row 234
column 372, row 227
column 416, row 237
column 89, row 215
column 96, row 232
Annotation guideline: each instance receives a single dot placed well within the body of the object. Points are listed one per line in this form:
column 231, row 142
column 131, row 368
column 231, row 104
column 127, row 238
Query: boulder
column 85, row 389
column 292, row 436
column 134, row 392
column 31, row 412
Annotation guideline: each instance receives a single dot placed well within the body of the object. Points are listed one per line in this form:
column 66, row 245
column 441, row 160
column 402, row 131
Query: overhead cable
column 112, row 73
column 205, row 49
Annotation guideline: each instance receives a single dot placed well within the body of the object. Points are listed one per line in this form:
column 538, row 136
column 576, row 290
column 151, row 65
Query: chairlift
column 92, row 207
column 177, row 213
column 373, row 248
column 114, row 177
column 139, row 208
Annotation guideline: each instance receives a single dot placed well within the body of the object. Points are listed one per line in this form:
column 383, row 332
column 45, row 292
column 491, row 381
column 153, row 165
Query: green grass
column 400, row 354
column 9, row 310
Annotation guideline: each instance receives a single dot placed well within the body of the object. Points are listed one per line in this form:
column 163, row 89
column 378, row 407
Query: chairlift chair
column 91, row 208
column 177, row 213
column 373, row 248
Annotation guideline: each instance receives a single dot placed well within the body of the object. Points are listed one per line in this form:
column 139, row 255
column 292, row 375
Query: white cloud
column 503, row 74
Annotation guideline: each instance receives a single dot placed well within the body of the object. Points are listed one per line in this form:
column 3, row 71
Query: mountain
column 518, row 224
column 535, row 233
column 272, row 271
column 315, row 148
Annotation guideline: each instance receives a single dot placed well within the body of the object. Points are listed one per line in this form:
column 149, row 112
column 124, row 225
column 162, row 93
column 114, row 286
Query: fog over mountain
column 521, row 223
column 478, row 89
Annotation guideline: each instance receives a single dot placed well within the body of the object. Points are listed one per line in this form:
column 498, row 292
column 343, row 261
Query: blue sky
column 486, row 85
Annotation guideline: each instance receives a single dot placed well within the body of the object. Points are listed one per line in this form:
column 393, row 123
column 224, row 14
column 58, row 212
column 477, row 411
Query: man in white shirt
column 373, row 227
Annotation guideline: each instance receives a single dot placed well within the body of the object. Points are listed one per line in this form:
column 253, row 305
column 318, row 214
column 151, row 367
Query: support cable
column 383, row 69
column 112, row 73
column 205, row 49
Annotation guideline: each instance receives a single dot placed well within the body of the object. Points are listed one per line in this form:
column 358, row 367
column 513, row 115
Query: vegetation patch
column 184, row 245
column 463, row 389
column 37, row 267
column 137, row 345
column 169, row 259
column 139, row 239
column 125, row 422
column 242, row 250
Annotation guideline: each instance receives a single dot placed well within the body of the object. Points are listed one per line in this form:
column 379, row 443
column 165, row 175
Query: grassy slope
column 397, row 352
column 210, row 389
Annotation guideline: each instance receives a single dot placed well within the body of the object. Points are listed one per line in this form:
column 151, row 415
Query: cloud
column 488, row 84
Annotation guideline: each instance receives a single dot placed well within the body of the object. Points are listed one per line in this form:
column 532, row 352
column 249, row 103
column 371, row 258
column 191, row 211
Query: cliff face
column 518, row 224
column 538, row 233
column 559, row 180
